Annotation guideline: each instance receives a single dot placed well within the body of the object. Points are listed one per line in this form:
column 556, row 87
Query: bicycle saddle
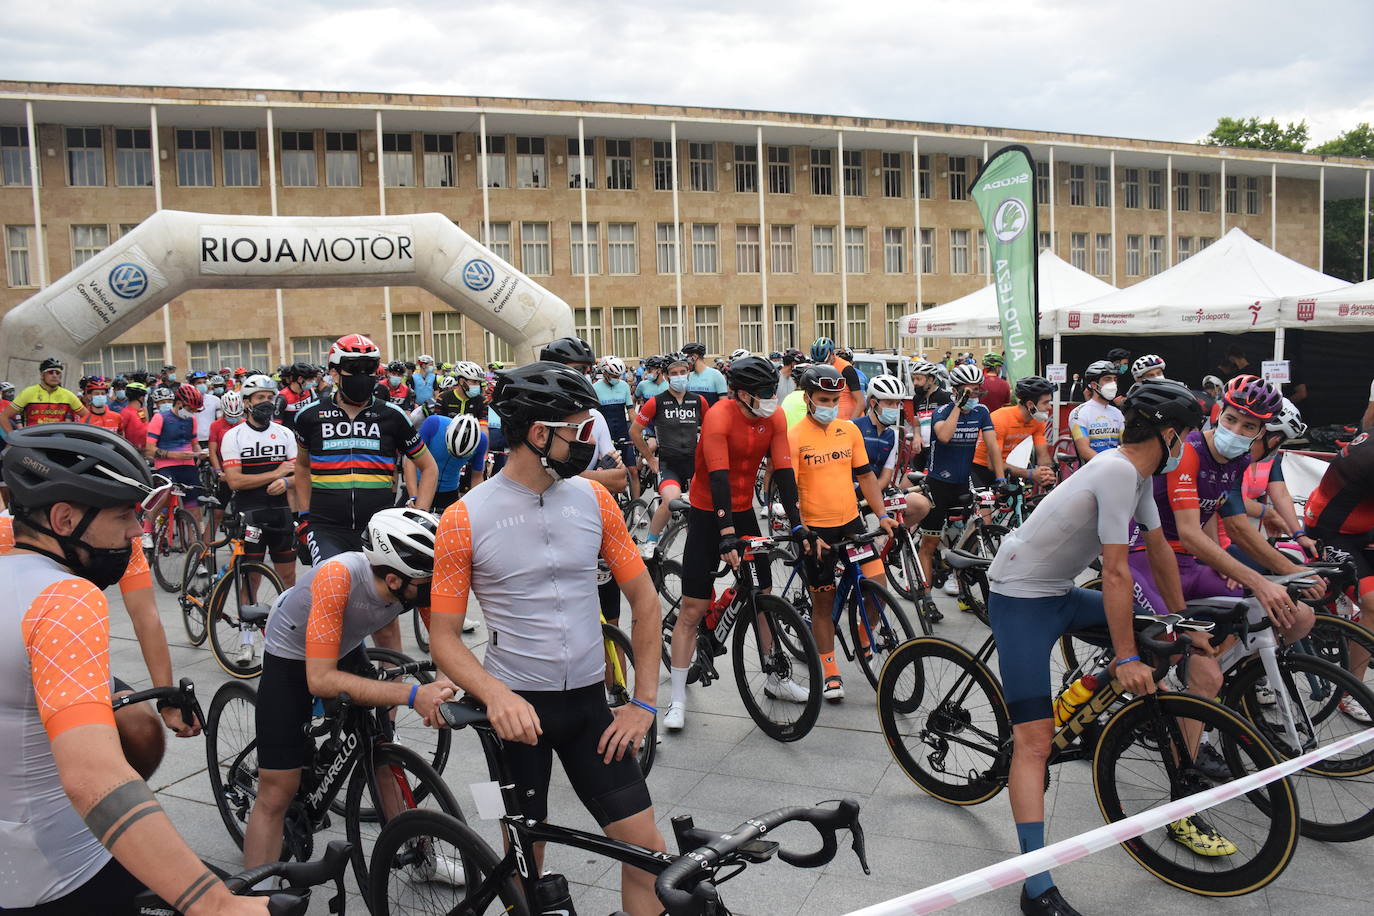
column 254, row 613
column 915, row 476
column 210, row 501
column 962, row 559
column 678, row 504
column 459, row 714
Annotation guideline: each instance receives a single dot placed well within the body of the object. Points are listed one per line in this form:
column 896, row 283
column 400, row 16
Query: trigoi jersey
column 676, row 423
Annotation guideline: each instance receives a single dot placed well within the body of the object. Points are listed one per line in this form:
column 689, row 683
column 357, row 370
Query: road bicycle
column 174, row 531
column 620, row 689
column 406, row 855
column 900, row 558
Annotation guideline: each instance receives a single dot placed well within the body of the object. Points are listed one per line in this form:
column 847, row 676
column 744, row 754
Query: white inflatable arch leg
column 174, row 251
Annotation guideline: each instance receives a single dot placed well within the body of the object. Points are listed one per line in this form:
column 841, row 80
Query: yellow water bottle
column 1075, row 696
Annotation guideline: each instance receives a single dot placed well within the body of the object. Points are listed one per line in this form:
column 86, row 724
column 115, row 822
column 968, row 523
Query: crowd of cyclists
column 419, row 486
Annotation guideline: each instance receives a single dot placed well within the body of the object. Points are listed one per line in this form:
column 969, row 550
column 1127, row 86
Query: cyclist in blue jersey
column 886, row 398
column 703, row 380
column 456, row 443
column 655, row 379
column 613, row 392
column 1095, row 425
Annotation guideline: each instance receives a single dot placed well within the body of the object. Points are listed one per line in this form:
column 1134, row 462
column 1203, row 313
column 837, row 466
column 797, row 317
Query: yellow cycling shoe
column 1197, row 836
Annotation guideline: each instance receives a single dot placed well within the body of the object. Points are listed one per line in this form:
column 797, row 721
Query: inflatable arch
column 174, row 251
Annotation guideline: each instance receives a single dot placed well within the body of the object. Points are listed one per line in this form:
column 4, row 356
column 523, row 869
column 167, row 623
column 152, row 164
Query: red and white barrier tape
column 965, row 887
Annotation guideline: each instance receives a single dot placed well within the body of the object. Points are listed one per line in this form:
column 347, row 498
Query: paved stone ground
column 721, row 768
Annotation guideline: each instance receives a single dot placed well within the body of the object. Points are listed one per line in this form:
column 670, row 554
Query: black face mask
column 357, row 389
column 580, row 455
column 259, row 415
column 105, row 565
column 421, row 598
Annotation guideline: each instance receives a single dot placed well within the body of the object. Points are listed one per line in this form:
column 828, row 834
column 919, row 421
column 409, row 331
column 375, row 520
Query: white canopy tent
column 975, row 315
column 1350, row 308
column 1232, row 286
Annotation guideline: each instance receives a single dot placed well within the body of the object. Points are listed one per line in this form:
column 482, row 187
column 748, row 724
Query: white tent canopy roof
column 1231, row 286
column 1350, row 308
column 975, row 315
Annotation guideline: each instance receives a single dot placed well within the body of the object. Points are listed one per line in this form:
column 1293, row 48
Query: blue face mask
column 120, row 397
column 677, row 382
column 394, row 380
column 1231, row 445
column 888, row 416
column 826, row 415
column 970, row 404
column 99, row 400
column 474, row 390
column 310, row 385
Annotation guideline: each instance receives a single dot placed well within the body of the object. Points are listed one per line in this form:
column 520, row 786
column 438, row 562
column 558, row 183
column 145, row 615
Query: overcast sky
column 1158, row 69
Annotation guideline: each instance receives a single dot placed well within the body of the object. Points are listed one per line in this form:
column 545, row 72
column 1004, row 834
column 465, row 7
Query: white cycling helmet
column 1287, row 421
column 469, row 370
column 613, row 365
column 1146, row 363
column 463, row 435
column 231, row 402
column 888, row 387
column 424, row 358
column 739, row 354
column 446, row 382
column 966, row 374
column 402, row 541
column 255, row 383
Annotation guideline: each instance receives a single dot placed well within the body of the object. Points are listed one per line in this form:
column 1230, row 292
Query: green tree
column 1252, row 133
column 1344, row 224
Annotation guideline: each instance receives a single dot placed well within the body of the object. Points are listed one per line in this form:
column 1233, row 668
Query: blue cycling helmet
column 822, row 350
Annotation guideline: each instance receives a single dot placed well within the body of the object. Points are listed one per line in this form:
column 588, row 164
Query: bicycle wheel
column 794, row 590
column 1135, row 768
column 945, row 721
column 672, row 539
column 782, row 693
column 231, row 738
column 670, row 585
column 619, row 690
column 198, row 577
column 1345, row 643
column 404, row 782
column 408, row 728
column 172, row 535
column 1335, row 795
column 898, row 575
column 638, row 514
column 421, row 631
column 237, row 645
column 887, row 628
column 412, row 870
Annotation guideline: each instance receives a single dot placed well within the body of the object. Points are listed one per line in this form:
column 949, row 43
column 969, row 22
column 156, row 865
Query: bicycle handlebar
column 329, row 867
column 183, row 696
column 691, row 866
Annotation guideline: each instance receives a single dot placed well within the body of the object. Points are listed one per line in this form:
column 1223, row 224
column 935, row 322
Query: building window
column 87, row 242
column 536, row 256
column 958, row 178
column 450, row 345
column 581, row 164
column 298, row 159
column 313, row 350
column 1155, row 189
column 1133, row 248
column 1046, row 241
column 892, row 325
column 822, row 172
column 854, row 173
column 927, row 251
column 665, row 245
column 1232, row 194
column 126, row 228
column 342, row 168
column 14, row 157
column 1130, row 191
column 126, row 358
column 923, row 175
column 784, row 326
column 19, row 257
column 1182, row 189
column 701, row 166
column 856, row 325
column 779, row 170
column 1204, row 192
column 500, row 242
column 588, row 327
column 1042, row 182
column 1078, row 250
column 1102, row 186
column 751, row 328
column 705, row 248
column 894, row 250
column 398, row 160
column 663, row 165
column 747, row 249
column 588, row 249
column 441, row 170
column 531, row 163
column 782, row 249
column 1155, row 262
column 822, row 249
column 1102, row 255
column 496, row 166
column 1185, row 248
column 746, row 168
column 133, row 158
column 85, row 157
column 1252, row 196
column 958, row 251
column 407, row 339
column 195, row 159
column 620, row 165
column 625, row 330
column 1078, row 194
column 707, row 327
column 981, row 241
column 855, row 249
column 622, row 252
column 496, row 349
column 207, row 355
column 825, row 320
column 892, row 175
column 669, row 328
column 240, row 158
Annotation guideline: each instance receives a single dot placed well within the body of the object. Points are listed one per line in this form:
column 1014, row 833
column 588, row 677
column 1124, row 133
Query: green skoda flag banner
column 1005, row 194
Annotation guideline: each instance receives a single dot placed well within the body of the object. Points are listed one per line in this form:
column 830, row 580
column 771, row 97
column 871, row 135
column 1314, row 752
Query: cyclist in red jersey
column 95, row 394
column 736, row 435
column 1340, row 512
column 301, row 380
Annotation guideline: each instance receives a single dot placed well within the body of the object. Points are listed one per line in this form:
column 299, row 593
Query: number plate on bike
column 252, row 534
column 894, row 503
column 859, row 554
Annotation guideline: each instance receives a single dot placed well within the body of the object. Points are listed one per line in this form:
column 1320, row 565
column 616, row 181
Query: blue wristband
column 414, row 689
column 1133, row 658
column 999, row 480
column 798, row 528
column 642, row 705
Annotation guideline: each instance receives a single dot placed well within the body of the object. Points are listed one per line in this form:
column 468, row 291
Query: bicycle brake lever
column 856, row 831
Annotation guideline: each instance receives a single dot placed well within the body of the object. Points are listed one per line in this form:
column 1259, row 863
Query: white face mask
column 1040, row 416
column 764, row 407
column 1107, row 390
column 184, row 413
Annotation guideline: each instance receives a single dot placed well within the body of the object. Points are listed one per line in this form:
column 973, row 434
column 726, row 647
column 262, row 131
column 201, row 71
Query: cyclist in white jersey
column 1096, row 423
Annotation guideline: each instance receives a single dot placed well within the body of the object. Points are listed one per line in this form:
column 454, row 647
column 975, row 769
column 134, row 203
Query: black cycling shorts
column 1358, row 546
column 701, row 553
column 109, row 891
column 285, row 707
column 609, row 595
column 677, row 470
column 944, row 496
column 328, row 541
column 278, row 535
column 573, row 722
column 442, row 501
column 981, row 476
column 821, row 572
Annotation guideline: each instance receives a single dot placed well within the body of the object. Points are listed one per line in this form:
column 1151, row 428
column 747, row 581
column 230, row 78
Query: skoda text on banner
column 1005, row 194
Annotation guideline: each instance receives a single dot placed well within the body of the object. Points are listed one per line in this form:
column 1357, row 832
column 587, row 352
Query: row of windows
column 409, row 159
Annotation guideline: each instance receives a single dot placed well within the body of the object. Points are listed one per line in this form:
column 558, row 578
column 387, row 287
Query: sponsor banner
column 281, row 251
column 1005, row 194
column 484, row 278
column 106, row 293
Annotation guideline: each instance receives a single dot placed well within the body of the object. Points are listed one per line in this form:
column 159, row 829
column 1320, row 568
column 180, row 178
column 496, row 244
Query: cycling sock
column 652, row 538
column 1031, row 836
column 679, row 685
column 829, row 665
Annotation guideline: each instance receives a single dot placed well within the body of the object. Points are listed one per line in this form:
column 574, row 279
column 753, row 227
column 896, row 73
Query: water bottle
column 551, row 895
column 718, row 607
column 1078, row 693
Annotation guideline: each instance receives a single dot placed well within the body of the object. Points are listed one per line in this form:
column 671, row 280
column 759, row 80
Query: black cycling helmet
column 546, row 390
column 654, row 362
column 1033, row 388
column 775, row 355
column 694, row 348
column 821, row 377
column 75, row 463
column 1159, row 402
column 567, row 350
column 300, row 370
column 52, row 362
column 1118, row 353
column 753, row 374
column 396, row 367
